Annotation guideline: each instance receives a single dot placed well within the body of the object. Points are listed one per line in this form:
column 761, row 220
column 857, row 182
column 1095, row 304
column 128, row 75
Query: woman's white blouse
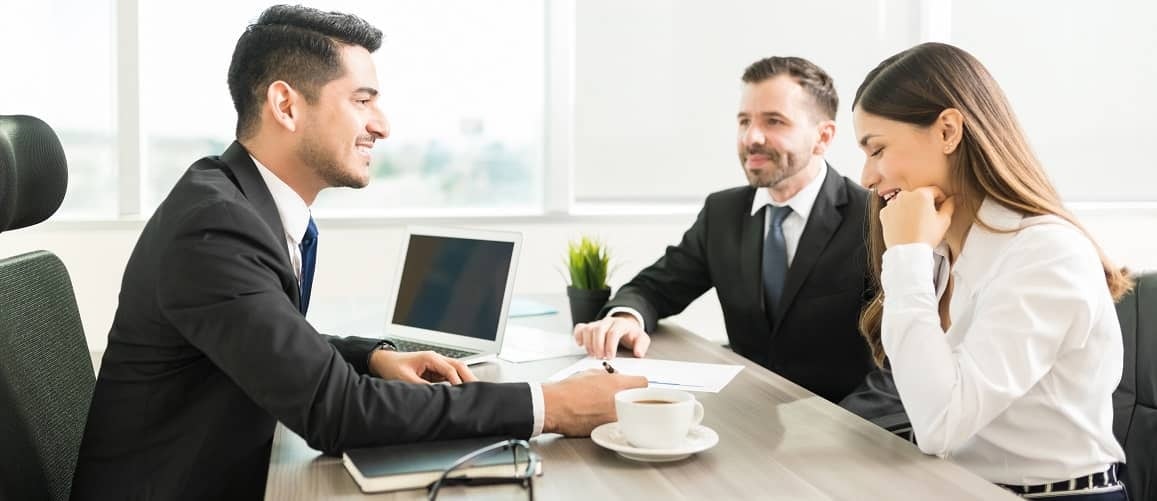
column 1019, row 389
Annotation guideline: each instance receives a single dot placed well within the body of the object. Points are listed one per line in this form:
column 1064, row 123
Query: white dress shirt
column 793, row 225
column 1019, row 389
column 295, row 217
column 294, row 214
column 801, row 208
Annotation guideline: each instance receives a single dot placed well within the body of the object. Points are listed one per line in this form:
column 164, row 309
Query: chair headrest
column 33, row 171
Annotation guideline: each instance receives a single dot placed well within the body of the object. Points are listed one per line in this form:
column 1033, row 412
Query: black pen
column 607, row 366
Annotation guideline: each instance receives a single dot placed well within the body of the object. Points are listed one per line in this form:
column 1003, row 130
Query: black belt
column 1107, row 478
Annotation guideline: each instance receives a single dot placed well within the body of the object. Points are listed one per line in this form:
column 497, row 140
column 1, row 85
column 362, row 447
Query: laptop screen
column 453, row 285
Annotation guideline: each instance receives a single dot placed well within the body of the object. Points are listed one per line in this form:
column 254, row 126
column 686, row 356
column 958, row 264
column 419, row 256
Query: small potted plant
column 588, row 292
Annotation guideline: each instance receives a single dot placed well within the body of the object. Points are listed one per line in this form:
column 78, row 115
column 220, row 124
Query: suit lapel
column 822, row 223
column 237, row 158
column 751, row 249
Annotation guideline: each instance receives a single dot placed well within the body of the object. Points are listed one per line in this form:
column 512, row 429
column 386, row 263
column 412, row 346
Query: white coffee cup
column 656, row 418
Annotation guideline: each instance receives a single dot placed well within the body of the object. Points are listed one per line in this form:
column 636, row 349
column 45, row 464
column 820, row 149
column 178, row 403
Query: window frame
column 557, row 204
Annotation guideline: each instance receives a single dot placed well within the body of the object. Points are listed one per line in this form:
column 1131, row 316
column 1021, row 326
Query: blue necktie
column 774, row 259
column 308, row 261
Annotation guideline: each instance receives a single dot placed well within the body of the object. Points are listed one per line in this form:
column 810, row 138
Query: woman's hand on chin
column 918, row 216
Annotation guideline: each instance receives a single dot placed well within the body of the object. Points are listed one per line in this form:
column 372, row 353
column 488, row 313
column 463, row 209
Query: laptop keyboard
column 412, row 346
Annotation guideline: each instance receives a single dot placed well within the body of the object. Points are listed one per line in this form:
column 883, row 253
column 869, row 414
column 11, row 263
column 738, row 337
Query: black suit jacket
column 208, row 351
column 814, row 340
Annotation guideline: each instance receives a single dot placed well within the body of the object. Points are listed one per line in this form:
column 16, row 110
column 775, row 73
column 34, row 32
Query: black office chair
column 46, row 375
column 1135, row 401
column 878, row 401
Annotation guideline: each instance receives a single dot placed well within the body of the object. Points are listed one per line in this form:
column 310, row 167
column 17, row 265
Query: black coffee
column 654, row 402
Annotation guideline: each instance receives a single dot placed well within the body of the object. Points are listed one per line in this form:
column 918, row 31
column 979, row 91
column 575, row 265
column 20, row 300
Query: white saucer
column 699, row 439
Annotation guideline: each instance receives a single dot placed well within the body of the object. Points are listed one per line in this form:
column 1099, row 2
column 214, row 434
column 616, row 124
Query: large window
column 462, row 85
column 502, row 107
column 58, row 65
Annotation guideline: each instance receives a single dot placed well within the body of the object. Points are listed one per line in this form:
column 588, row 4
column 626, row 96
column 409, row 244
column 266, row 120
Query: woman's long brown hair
column 993, row 158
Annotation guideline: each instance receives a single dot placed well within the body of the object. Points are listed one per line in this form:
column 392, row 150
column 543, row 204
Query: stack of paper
column 687, row 376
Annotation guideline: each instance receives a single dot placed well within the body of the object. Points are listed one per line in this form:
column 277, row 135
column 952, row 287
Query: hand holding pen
column 611, row 370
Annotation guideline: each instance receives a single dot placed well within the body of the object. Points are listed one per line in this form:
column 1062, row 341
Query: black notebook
column 413, row 466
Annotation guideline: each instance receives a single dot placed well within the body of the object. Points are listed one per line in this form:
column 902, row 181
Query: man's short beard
column 327, row 166
column 787, row 165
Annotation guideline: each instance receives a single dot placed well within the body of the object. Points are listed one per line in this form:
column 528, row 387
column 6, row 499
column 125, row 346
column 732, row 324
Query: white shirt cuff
column 908, row 269
column 539, row 408
column 630, row 311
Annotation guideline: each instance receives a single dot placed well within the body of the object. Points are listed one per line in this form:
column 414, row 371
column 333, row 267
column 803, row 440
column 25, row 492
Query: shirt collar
column 292, row 209
column 983, row 245
column 800, row 204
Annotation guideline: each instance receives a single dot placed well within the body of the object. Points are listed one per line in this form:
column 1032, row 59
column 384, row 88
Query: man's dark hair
column 298, row 45
column 812, row 78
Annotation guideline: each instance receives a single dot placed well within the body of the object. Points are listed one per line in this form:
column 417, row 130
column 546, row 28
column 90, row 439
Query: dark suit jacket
column 208, row 351
column 814, row 341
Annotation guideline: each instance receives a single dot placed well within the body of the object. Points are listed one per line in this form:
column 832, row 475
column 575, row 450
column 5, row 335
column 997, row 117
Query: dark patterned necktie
column 774, row 259
column 308, row 262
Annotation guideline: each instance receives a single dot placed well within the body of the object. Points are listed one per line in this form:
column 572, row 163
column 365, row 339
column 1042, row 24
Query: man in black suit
column 785, row 254
column 210, row 347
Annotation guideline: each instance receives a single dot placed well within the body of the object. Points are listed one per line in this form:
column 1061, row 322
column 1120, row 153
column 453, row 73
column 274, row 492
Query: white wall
column 657, row 84
column 357, row 259
column 1080, row 76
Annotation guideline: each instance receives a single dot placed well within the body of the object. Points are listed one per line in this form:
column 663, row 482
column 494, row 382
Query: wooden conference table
column 776, row 441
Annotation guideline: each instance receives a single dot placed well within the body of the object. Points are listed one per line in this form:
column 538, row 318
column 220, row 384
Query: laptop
column 452, row 291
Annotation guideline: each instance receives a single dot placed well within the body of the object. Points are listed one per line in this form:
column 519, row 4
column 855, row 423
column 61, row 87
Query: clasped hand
column 918, row 216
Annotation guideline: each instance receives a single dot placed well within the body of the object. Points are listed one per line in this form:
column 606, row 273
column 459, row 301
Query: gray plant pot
column 585, row 304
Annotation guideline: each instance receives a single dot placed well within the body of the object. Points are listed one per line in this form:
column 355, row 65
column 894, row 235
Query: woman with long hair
column 994, row 306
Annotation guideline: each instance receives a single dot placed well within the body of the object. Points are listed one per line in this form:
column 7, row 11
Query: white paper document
column 687, row 376
column 524, row 344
